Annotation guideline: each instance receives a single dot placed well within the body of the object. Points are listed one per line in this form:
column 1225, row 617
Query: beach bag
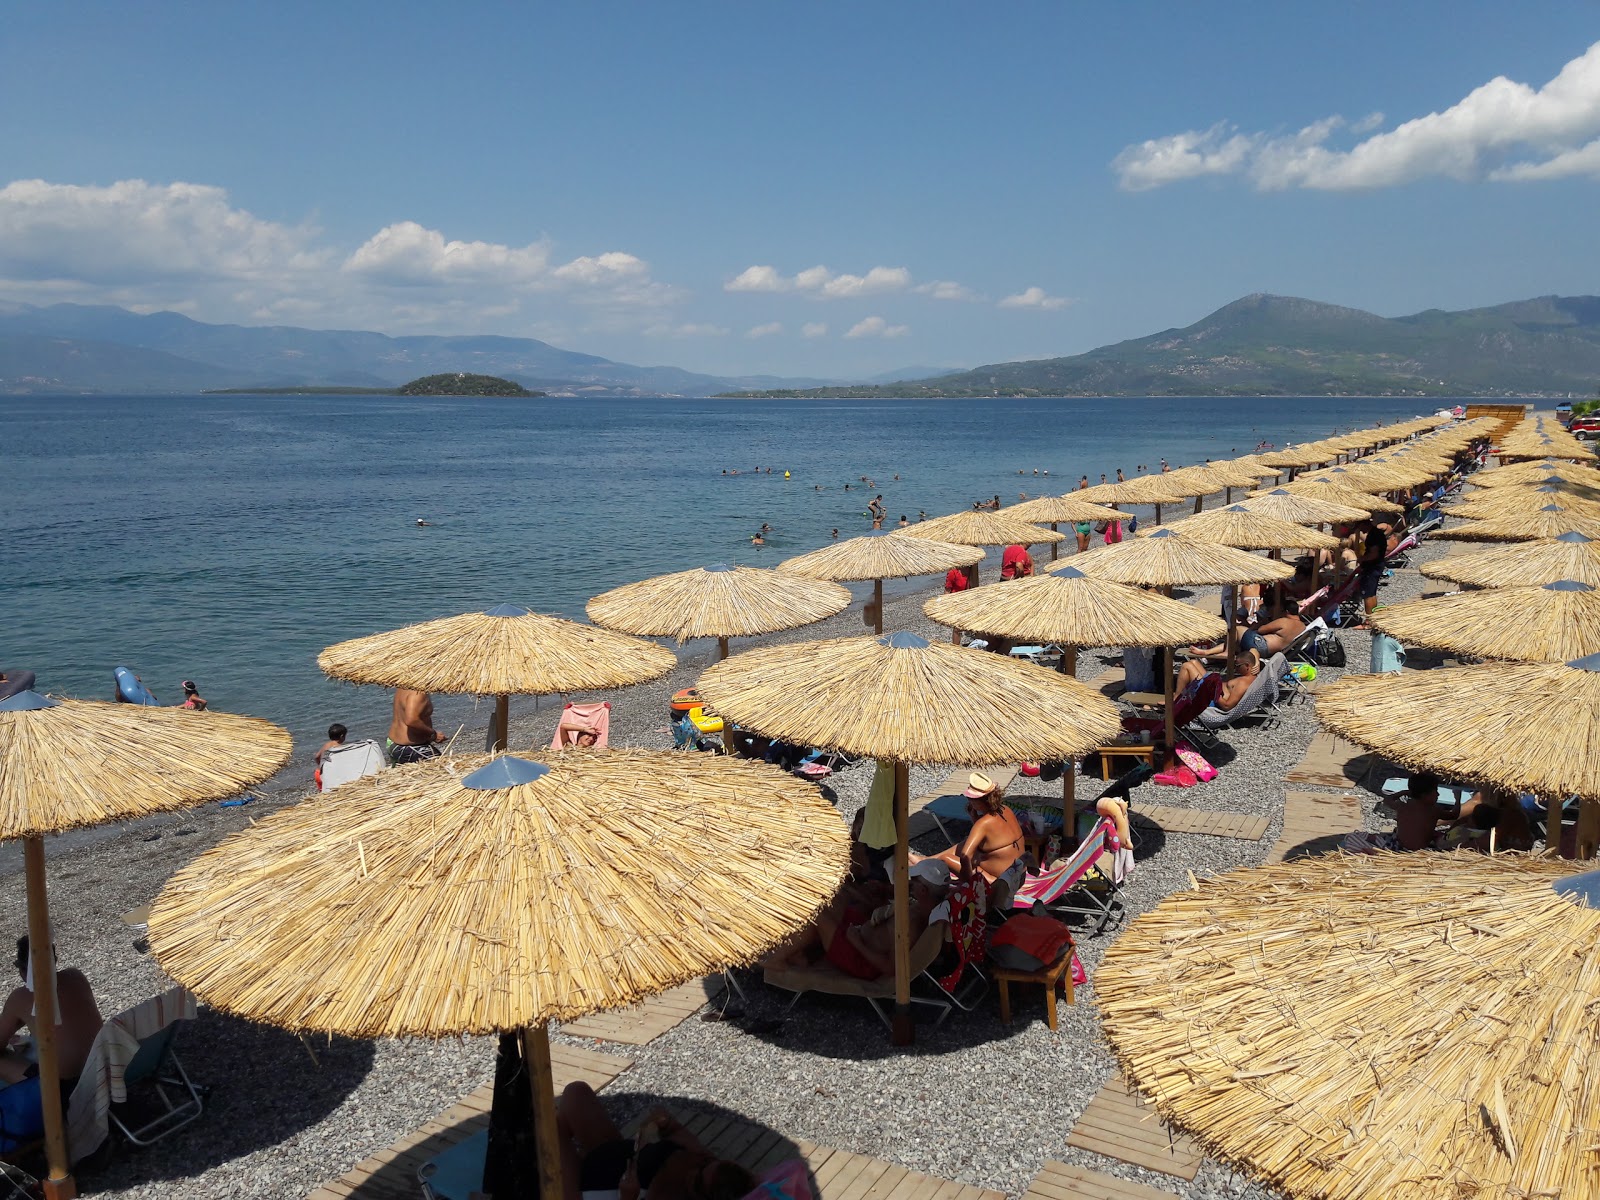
column 1196, row 762
column 1327, row 650
column 1304, row 672
column 1388, row 655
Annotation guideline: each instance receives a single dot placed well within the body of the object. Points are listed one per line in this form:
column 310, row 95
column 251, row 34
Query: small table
column 1142, row 751
column 1059, row 975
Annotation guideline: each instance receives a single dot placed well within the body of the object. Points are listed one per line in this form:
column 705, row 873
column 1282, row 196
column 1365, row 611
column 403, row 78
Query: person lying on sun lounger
column 1266, row 640
column 1246, row 666
column 859, row 941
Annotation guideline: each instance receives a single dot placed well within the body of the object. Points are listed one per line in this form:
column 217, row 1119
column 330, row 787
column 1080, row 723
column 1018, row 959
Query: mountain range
column 1259, row 345
column 1280, row 345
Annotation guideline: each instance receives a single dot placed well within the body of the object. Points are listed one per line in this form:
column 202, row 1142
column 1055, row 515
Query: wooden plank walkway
column 1314, row 823
column 1244, row 826
column 1064, row 1181
column 839, row 1174
column 954, row 784
column 1330, row 761
column 1120, row 1124
column 391, row 1173
column 649, row 1019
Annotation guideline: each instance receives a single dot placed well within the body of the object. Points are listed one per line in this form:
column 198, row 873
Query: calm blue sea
column 229, row 539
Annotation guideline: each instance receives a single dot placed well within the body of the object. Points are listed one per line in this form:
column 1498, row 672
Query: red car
column 1585, row 427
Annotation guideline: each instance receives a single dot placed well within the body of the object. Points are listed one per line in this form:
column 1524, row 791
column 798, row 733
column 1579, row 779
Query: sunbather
column 994, row 845
column 860, row 941
column 1246, row 666
column 1416, row 813
column 77, row 1022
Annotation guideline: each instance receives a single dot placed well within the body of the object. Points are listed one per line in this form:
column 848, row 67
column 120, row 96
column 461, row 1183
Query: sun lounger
column 825, row 977
column 134, row 1049
column 1257, row 701
column 1079, row 876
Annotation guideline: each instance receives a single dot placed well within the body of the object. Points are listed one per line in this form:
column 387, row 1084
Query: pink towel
column 594, row 717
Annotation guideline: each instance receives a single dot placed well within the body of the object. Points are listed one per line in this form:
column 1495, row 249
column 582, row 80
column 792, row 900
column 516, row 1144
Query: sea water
column 229, row 539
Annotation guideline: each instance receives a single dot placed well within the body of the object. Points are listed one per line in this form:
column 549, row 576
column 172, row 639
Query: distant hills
column 71, row 348
column 1279, row 345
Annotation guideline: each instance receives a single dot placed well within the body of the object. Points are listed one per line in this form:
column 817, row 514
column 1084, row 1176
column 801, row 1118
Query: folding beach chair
column 1259, row 701
column 826, row 978
column 1077, row 877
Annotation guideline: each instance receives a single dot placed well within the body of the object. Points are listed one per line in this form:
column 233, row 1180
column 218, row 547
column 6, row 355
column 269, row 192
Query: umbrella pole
column 500, row 731
column 1588, row 825
column 901, row 1030
column 1198, row 502
column 59, row 1184
column 1069, row 769
column 536, row 1053
column 1167, row 684
column 877, row 607
column 1158, row 514
column 1054, row 545
column 727, row 725
column 1233, row 620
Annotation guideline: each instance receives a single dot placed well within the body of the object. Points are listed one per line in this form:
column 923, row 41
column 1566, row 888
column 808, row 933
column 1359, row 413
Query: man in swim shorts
column 412, row 736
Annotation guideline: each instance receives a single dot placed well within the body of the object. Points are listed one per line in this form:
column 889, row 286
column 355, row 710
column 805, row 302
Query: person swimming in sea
column 757, row 540
column 834, row 535
column 421, row 524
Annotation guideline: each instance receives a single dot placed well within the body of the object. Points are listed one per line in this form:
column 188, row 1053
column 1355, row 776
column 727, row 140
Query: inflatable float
column 131, row 690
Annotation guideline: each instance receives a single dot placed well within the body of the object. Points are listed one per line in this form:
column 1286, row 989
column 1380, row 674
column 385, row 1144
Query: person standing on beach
column 412, row 736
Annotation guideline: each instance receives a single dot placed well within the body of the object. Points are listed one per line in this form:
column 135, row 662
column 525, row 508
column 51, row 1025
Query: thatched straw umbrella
column 1546, row 522
column 1523, row 564
column 906, row 700
column 879, row 555
column 506, row 651
column 1142, row 489
column 1526, row 727
column 1405, row 1026
column 1053, row 510
column 494, row 895
column 1553, row 622
column 1303, row 508
column 717, row 601
column 980, row 527
column 1165, row 560
column 1075, row 610
column 1245, row 529
column 68, row 764
column 1326, row 489
column 1536, row 472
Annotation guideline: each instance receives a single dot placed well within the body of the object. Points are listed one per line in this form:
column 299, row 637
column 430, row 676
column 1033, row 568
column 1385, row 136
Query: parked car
column 1587, row 427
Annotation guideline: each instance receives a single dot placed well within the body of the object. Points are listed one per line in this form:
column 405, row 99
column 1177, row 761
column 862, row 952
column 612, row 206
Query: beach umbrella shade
column 1524, row 727
column 906, row 700
column 1523, row 564
column 1303, row 508
column 1325, row 489
column 1384, row 1026
column 481, row 894
column 1547, row 522
column 1070, row 508
column 1552, row 622
column 1294, row 457
column 879, row 555
column 1510, row 501
column 1536, row 472
column 1166, row 560
column 1142, row 489
column 981, row 527
column 503, row 652
column 1074, row 610
column 70, row 764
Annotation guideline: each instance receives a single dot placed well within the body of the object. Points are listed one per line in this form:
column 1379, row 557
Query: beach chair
column 1077, row 878
column 351, row 761
column 594, row 717
column 133, row 1079
column 826, row 978
column 1259, row 700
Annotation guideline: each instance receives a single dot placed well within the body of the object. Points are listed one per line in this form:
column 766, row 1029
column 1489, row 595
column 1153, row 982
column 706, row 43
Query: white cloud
column 1034, row 297
column 813, row 329
column 770, row 329
column 821, row 282
column 1503, row 130
column 945, row 289
column 407, row 253
column 688, row 329
column 877, row 327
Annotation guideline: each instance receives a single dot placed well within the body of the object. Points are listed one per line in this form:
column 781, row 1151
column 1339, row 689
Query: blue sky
column 802, row 189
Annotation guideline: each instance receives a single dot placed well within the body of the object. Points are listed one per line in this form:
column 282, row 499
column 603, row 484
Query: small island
column 460, row 384
column 454, row 383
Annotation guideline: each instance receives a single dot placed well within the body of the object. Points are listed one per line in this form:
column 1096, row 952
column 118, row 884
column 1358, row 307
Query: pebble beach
column 973, row 1101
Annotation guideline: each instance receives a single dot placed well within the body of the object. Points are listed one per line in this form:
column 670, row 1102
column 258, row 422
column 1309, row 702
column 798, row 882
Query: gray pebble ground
column 973, row 1100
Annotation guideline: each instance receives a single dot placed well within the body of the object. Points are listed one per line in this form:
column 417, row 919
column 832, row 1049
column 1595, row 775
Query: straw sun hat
column 979, row 785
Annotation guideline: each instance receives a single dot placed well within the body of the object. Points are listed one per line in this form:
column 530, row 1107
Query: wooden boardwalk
column 1121, row 1125
column 1330, row 761
column 1314, row 823
column 1064, row 1181
column 839, row 1174
column 650, row 1018
column 391, row 1173
column 1244, row 826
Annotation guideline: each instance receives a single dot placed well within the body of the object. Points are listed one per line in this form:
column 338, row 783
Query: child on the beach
column 336, row 736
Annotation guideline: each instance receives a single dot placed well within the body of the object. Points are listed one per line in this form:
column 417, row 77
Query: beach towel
column 595, row 717
column 969, row 931
column 877, row 827
column 101, row 1084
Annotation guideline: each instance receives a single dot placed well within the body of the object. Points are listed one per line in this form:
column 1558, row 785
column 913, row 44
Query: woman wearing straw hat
column 994, row 845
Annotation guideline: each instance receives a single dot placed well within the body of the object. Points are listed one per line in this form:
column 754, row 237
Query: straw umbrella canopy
column 1303, row 508
column 1512, row 501
column 1052, row 510
column 1142, row 489
column 1547, row 522
column 1536, row 472
column 494, row 895
column 69, row 764
column 1075, row 610
column 902, row 699
column 1525, row 727
column 502, row 652
column 1403, row 1026
column 980, row 527
column 1293, row 457
column 1326, row 489
column 719, row 601
column 1552, row 622
column 1523, row 564
column 878, row 555
column 1165, row 559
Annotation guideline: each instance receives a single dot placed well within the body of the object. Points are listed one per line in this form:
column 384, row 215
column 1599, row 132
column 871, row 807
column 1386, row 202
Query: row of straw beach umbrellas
column 412, row 853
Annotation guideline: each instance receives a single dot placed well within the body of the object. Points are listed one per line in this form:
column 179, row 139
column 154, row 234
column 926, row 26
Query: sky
column 824, row 190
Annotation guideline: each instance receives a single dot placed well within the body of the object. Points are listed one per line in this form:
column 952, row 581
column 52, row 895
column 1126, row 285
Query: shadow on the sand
column 263, row 1085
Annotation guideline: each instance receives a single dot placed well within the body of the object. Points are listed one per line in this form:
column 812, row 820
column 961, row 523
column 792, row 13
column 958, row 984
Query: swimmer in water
column 834, row 535
column 421, row 524
column 757, row 540
column 765, row 528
